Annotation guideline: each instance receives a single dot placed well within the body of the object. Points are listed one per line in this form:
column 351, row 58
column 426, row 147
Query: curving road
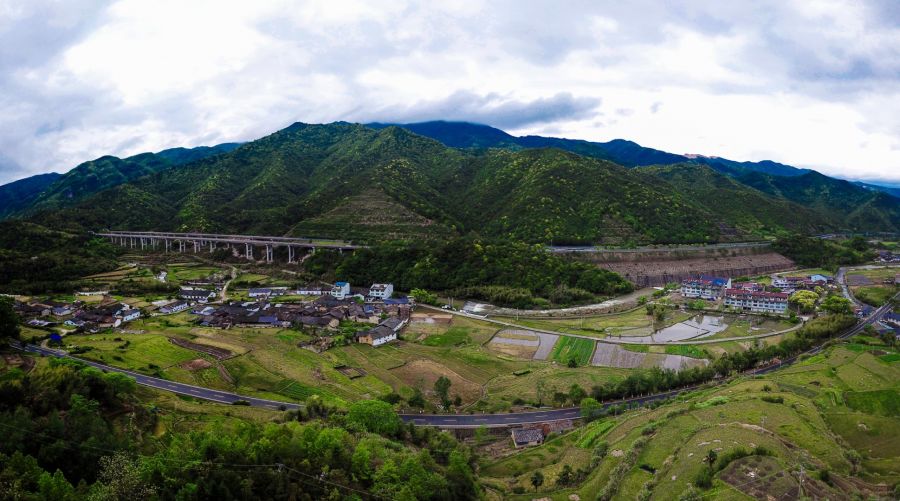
column 166, row 385
column 439, row 420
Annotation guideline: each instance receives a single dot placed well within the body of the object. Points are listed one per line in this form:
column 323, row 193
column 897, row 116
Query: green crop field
column 568, row 348
column 451, row 337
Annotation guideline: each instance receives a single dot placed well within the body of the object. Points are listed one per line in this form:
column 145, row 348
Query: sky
column 811, row 83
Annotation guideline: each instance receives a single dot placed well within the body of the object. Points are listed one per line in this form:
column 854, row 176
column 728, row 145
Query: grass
column 687, row 351
column 639, row 348
column 875, row 295
column 877, row 402
column 568, row 348
column 451, row 337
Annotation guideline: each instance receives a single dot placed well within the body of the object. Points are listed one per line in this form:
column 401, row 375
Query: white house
column 310, row 290
column 705, row 287
column 132, row 314
column 174, row 307
column 267, row 291
column 200, row 295
column 760, row 302
column 340, row 290
column 381, row 291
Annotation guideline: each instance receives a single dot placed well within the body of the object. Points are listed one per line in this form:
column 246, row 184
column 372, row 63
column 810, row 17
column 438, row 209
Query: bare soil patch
column 195, row 365
column 218, row 353
column 423, row 373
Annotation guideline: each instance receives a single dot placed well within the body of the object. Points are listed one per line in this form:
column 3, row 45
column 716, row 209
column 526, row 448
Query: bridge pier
column 249, row 253
column 196, row 246
column 290, row 254
column 269, row 254
column 212, row 246
column 142, row 243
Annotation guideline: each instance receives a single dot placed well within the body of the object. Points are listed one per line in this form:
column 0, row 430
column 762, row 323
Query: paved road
column 441, row 420
column 166, row 385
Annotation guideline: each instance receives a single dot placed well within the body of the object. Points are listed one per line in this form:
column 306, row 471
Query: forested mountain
column 345, row 180
column 355, row 182
column 20, row 194
column 749, row 209
column 856, row 208
column 49, row 191
column 621, row 151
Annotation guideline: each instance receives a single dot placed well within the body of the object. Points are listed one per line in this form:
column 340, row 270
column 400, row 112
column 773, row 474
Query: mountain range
column 437, row 179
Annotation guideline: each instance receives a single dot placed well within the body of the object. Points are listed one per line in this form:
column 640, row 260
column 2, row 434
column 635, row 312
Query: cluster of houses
column 751, row 296
column 886, row 256
column 107, row 314
column 331, row 306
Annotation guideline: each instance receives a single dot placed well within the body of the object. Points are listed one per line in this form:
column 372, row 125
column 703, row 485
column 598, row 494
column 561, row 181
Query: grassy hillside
column 835, row 415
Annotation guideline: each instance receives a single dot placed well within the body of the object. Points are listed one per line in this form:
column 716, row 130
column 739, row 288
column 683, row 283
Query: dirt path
column 586, row 309
column 611, row 340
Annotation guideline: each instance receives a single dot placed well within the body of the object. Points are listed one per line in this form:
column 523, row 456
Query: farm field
column 814, row 413
column 634, row 322
column 868, row 285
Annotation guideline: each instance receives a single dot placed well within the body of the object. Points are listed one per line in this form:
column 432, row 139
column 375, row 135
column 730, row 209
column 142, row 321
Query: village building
column 340, row 290
column 311, row 290
column 759, row 302
column 267, row 291
column 175, row 307
column 704, row 287
column 384, row 332
column 525, row 437
column 198, row 295
column 381, row 291
column 749, row 286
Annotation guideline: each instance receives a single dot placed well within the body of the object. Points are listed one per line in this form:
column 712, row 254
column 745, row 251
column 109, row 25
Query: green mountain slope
column 747, row 208
column 20, row 194
column 856, row 208
column 353, row 182
column 106, row 172
column 350, row 181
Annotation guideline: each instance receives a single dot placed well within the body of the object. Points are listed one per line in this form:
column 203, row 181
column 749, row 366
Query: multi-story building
column 381, row 291
column 760, row 302
column 749, row 286
column 340, row 290
column 704, row 287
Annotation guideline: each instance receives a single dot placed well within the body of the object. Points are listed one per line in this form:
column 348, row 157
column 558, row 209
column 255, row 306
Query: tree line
column 69, row 431
column 510, row 273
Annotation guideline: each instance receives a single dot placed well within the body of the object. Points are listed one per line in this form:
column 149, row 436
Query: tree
column 837, row 305
column 442, row 389
column 9, row 321
column 805, row 300
column 375, row 416
column 537, row 479
column 711, row 457
column 424, row 297
column 565, row 476
column 590, row 408
column 576, row 393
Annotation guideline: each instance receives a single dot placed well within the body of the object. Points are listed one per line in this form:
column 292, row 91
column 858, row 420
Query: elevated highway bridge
column 181, row 242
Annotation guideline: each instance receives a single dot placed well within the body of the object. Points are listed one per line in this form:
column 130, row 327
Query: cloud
column 799, row 82
column 493, row 109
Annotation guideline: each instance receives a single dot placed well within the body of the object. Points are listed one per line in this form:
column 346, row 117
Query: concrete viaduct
column 211, row 241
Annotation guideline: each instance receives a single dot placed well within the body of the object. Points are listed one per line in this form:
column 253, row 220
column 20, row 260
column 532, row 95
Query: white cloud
column 814, row 84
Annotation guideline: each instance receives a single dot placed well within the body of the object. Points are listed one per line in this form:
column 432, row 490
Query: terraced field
column 815, row 413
